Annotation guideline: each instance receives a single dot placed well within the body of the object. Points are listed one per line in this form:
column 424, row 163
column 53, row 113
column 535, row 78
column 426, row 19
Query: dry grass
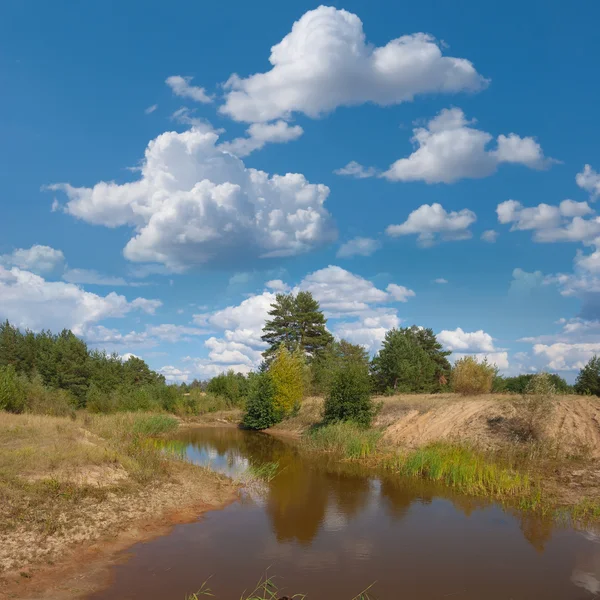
column 65, row 480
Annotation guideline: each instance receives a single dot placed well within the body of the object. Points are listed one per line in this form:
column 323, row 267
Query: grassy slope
column 448, row 438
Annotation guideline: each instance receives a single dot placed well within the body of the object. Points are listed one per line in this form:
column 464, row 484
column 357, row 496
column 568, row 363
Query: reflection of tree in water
column 297, row 501
column 468, row 504
column 350, row 492
column 537, row 530
column 397, row 496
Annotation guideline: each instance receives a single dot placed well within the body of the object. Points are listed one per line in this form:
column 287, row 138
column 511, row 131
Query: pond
column 329, row 530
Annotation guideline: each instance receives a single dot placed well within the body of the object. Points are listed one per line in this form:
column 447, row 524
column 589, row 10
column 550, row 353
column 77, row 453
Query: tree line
column 58, row 372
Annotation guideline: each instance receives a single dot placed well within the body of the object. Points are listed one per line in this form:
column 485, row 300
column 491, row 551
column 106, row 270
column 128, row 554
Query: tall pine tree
column 297, row 322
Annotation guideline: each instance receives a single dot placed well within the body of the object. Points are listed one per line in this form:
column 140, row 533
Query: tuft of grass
column 153, row 425
column 267, row 589
column 265, row 472
column 344, row 439
column 465, row 470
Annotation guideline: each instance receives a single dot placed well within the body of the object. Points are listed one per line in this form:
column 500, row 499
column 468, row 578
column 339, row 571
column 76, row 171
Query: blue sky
column 167, row 168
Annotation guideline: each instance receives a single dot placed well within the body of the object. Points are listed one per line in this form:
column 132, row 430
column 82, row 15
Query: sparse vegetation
column 470, row 377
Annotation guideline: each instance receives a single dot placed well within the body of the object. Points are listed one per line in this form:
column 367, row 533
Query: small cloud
column 489, row 236
column 151, row 109
column 356, row 170
column 358, row 246
column 55, row 205
column 440, row 280
column 182, row 87
column 277, row 286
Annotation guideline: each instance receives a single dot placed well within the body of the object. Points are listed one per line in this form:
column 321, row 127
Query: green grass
column 152, row 425
column 344, row 439
column 465, row 470
column 265, row 472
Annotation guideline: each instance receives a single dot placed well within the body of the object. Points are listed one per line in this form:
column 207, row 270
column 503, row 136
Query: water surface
column 329, row 530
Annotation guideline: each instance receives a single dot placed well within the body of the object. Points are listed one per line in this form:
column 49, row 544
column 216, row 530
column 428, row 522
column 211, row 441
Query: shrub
column 470, row 377
column 47, row 401
column 260, row 405
column 13, row 389
column 349, row 397
column 537, row 403
column 287, row 373
column 231, row 386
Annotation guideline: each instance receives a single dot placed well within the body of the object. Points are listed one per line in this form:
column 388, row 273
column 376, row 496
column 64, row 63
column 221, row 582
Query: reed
column 344, row 439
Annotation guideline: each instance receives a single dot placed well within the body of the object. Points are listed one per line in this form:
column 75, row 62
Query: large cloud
column 195, row 203
column 29, row 301
column 448, row 149
column 325, row 62
column 429, row 221
column 38, row 259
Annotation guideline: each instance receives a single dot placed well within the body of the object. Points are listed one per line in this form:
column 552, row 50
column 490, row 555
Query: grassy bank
column 457, row 442
column 64, row 481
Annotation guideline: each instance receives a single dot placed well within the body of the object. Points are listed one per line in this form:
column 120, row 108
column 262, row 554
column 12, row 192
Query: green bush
column 41, row 400
column 470, row 377
column 349, row 397
column 231, row 386
column 260, row 405
column 13, row 390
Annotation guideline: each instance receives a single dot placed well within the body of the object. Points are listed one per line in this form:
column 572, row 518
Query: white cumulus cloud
column 589, row 180
column 551, row 223
column 38, row 259
column 326, row 62
column 30, row 301
column 490, row 236
column 195, row 204
column 463, row 341
column 430, row 221
column 449, row 149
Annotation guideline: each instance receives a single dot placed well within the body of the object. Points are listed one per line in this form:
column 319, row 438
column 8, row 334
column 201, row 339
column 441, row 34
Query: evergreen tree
column 336, row 356
column 427, row 340
column 588, row 380
column 260, row 408
column 311, row 325
column 9, row 346
column 72, row 365
column 402, row 365
column 297, row 323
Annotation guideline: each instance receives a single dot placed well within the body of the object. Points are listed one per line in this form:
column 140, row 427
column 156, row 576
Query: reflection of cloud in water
column 212, row 454
column 334, row 520
column 591, row 535
column 588, row 581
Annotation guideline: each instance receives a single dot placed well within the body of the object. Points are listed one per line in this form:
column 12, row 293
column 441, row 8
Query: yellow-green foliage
column 464, row 469
column 287, row 373
column 470, row 377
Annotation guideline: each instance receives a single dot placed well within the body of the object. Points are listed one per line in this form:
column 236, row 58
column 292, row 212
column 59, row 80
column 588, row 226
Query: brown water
column 331, row 530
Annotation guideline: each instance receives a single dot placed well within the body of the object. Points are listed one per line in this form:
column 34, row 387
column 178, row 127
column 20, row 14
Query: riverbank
column 539, row 454
column 73, row 492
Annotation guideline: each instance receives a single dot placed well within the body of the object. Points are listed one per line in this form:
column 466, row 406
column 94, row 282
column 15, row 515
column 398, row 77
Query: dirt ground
column 70, row 499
